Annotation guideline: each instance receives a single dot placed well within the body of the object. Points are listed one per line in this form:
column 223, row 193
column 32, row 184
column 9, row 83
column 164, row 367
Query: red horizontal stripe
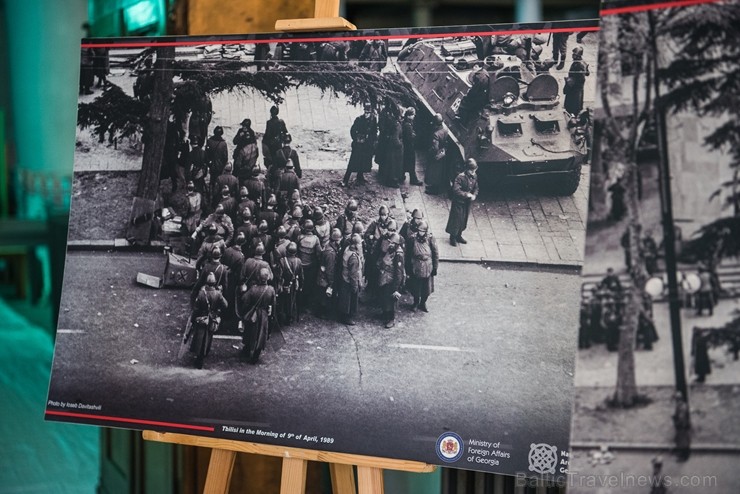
column 130, row 421
column 146, row 44
column 654, row 6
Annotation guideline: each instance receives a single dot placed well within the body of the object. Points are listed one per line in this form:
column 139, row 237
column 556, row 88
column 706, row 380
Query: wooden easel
column 293, row 476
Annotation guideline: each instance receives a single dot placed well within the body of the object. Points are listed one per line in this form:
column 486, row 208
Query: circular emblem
column 542, row 458
column 449, row 447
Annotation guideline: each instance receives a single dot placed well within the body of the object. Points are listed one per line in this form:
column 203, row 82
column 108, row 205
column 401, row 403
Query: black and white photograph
column 657, row 371
column 367, row 242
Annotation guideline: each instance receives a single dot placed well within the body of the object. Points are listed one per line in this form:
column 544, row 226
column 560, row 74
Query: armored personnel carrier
column 515, row 126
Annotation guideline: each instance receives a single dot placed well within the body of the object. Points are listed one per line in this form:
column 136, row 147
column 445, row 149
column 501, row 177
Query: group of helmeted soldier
column 265, row 256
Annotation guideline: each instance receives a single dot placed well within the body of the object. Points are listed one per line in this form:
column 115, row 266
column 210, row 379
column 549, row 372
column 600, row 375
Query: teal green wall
column 43, row 56
column 412, row 483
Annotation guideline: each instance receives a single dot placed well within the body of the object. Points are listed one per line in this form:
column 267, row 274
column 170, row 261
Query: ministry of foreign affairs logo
column 542, row 458
column 449, row 447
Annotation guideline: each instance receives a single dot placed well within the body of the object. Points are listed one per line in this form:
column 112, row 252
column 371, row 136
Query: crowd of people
column 265, row 256
column 603, row 313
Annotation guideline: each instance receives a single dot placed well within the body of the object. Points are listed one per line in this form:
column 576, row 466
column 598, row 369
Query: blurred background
column 39, row 71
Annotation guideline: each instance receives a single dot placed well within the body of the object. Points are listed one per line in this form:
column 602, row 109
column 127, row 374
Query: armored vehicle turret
column 503, row 111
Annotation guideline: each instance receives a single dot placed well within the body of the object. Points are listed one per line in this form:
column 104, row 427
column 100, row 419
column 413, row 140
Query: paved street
column 479, row 361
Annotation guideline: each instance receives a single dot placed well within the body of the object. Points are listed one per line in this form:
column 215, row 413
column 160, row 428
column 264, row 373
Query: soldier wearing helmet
column 228, row 202
column 345, row 222
column 290, row 284
column 409, row 228
column 251, row 266
column 216, row 152
column 205, row 318
column 249, row 230
column 408, row 134
column 293, row 224
column 281, row 246
column 422, row 261
column 233, row 258
column 244, row 203
column 270, row 215
column 309, row 252
column 288, row 182
column 391, row 277
column 226, row 178
column 256, row 188
column 246, row 150
column 263, row 237
column 224, row 225
column 255, row 308
column 327, row 279
column 213, row 266
column 575, row 82
column 464, row 192
column 212, row 239
column 350, row 280
column 287, row 154
column 364, row 133
column 322, row 227
column 436, row 171
column 197, row 168
column 374, row 235
column 195, row 208
column 275, row 129
column 378, row 227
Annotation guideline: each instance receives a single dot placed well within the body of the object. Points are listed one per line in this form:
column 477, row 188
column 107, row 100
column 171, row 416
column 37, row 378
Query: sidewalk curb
column 113, row 245
column 158, row 246
column 695, row 448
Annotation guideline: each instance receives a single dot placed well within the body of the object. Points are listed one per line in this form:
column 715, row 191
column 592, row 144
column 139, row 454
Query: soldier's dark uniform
column 350, row 281
column 290, row 283
column 275, row 129
column 220, row 271
column 422, row 261
column 391, row 277
column 364, row 133
column 208, row 304
column 309, row 252
column 255, row 308
column 256, row 189
column 327, row 277
column 252, row 266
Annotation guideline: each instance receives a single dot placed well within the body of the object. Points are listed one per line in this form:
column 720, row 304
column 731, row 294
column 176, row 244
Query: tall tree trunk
column 142, row 211
column 159, row 112
column 625, row 394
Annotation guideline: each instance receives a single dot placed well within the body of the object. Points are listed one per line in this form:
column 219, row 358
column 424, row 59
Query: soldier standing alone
column 464, row 192
column 575, row 82
column 364, row 134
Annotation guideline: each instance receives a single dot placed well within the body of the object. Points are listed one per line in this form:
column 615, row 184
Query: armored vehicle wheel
column 567, row 184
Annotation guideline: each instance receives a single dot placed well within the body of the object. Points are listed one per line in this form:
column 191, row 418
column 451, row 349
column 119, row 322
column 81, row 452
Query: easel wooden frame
column 293, row 477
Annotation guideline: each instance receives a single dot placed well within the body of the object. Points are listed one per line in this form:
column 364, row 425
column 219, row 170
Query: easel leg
column 293, row 478
column 220, row 468
column 369, row 480
column 342, row 478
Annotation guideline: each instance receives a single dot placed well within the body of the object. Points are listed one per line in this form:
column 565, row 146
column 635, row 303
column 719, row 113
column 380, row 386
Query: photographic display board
column 657, row 364
column 206, row 290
